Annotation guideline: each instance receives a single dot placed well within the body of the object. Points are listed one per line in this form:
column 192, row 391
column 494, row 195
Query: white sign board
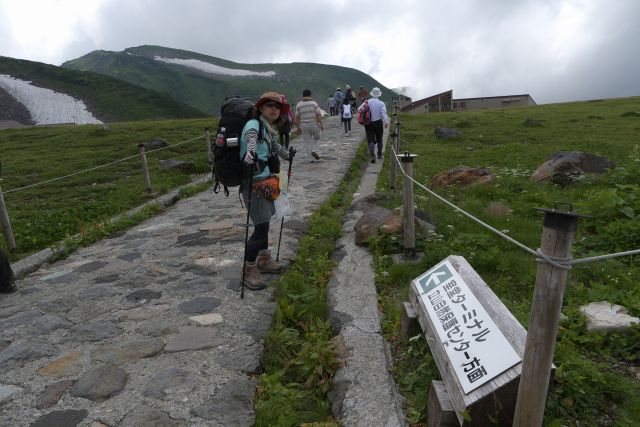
column 476, row 348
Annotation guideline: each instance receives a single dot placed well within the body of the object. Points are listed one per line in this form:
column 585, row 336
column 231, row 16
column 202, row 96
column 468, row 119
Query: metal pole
column 394, row 136
column 6, row 224
column 557, row 235
column 145, row 169
column 408, row 202
column 207, row 138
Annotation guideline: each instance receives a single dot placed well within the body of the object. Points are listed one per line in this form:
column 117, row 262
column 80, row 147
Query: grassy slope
column 205, row 91
column 592, row 384
column 44, row 215
column 104, row 96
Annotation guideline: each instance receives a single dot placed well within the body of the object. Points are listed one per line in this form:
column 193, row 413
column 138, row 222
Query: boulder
column 378, row 219
column 176, row 164
column 156, row 143
column 604, row 316
column 448, row 133
column 563, row 166
column 464, row 176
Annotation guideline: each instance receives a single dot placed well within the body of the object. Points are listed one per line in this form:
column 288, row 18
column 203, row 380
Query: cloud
column 556, row 50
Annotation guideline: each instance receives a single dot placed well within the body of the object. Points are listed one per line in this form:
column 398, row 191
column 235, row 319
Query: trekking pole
column 246, row 232
column 282, row 220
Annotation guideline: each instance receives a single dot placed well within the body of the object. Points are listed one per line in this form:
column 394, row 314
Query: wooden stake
column 145, row 169
column 557, row 235
column 408, row 203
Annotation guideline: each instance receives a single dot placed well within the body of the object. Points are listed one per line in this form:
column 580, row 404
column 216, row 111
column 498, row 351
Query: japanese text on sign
column 476, row 348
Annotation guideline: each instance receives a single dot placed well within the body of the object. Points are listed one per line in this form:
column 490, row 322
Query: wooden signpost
column 476, row 342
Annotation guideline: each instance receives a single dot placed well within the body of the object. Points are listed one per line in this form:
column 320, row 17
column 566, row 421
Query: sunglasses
column 273, row 105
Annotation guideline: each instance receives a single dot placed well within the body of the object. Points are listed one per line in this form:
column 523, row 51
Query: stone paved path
column 147, row 328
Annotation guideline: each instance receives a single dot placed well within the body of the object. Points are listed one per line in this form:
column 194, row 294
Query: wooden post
column 408, row 203
column 6, row 224
column 557, row 235
column 145, row 169
column 207, row 139
column 394, row 136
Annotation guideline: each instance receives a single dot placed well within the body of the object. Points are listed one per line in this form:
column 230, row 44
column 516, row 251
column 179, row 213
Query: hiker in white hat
column 379, row 121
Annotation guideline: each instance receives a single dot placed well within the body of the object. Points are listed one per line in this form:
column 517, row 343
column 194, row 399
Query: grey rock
column 94, row 331
column 146, row 416
column 258, row 328
column 52, row 394
column 47, row 323
column 141, row 296
column 232, row 405
column 244, row 359
column 604, row 316
column 90, row 267
column 26, row 351
column 7, row 392
column 313, row 185
column 22, row 318
column 130, row 256
column 156, row 143
column 172, row 381
column 447, row 133
column 66, row 418
column 59, row 305
column 93, row 293
column 194, row 338
column 157, row 329
column 564, row 166
column 122, row 353
column 368, row 225
column 109, row 278
column 171, row 164
column 100, row 384
column 199, row 305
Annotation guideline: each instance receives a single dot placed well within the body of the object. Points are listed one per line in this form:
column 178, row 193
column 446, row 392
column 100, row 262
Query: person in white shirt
column 379, row 121
column 309, row 124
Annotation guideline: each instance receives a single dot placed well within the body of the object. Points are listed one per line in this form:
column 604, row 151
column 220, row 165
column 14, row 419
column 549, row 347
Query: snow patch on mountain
column 214, row 69
column 46, row 106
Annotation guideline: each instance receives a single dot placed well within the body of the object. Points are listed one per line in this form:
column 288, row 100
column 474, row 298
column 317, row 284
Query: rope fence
column 537, row 253
column 97, row 167
column 4, row 216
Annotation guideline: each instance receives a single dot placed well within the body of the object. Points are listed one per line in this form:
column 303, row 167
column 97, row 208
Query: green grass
column 44, row 215
column 299, row 359
column 592, row 384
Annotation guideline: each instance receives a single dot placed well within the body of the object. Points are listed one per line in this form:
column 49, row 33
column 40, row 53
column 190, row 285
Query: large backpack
column 228, row 169
column 364, row 114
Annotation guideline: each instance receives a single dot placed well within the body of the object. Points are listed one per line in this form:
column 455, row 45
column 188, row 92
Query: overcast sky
column 555, row 50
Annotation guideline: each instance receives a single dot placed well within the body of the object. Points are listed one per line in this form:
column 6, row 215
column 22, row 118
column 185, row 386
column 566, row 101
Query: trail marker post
column 145, row 169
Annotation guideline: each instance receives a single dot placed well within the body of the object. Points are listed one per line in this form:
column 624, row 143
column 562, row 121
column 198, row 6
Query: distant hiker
column 346, row 117
column 374, row 130
column 309, row 123
column 7, row 278
column 339, row 97
column 285, row 128
column 362, row 95
column 259, row 151
column 348, row 95
column 331, row 103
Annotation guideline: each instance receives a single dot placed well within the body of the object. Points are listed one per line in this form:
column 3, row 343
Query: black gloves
column 292, row 153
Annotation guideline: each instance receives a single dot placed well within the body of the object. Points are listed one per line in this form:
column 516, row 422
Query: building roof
column 424, row 101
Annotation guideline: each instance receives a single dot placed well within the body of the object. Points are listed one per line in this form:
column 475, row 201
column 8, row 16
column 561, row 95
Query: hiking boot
column 379, row 155
column 252, row 279
column 373, row 160
column 315, row 155
column 266, row 264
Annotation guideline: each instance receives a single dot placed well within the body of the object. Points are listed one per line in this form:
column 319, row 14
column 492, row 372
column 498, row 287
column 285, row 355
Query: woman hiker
column 259, row 152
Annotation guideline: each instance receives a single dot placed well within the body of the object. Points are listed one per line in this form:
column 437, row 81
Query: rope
column 97, row 167
column 562, row 263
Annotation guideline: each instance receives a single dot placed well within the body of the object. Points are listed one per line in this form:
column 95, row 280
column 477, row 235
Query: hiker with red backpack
column 259, row 151
column 378, row 120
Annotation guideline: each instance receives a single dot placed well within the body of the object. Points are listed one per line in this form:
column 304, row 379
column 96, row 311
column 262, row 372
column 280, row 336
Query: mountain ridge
column 206, row 91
